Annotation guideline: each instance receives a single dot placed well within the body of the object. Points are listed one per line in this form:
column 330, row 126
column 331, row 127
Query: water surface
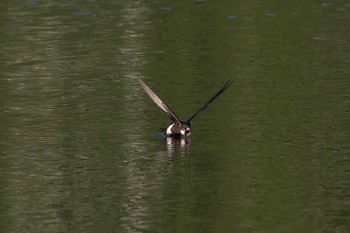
column 79, row 142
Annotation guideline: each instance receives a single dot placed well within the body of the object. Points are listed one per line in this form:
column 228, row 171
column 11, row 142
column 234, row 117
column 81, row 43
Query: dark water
column 79, row 145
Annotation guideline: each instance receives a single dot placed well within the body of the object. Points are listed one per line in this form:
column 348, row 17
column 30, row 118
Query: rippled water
column 79, row 142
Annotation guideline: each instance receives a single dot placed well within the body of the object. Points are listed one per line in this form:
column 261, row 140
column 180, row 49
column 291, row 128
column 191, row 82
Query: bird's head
column 185, row 129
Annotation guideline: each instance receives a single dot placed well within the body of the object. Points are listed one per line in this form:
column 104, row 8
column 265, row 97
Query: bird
column 179, row 128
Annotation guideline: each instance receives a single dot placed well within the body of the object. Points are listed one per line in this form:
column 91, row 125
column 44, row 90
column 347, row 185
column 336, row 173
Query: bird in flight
column 179, row 127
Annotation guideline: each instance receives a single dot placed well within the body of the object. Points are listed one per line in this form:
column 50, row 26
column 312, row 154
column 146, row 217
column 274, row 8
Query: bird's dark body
column 179, row 128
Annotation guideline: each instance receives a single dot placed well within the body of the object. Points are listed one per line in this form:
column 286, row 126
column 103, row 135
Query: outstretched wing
column 227, row 84
column 159, row 102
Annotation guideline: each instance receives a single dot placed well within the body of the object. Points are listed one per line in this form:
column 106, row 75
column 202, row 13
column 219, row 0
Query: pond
column 80, row 144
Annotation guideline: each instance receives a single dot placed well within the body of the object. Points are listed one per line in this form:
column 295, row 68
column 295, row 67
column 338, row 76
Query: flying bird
column 179, row 127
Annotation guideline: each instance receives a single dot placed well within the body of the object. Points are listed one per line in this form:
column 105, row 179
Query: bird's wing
column 159, row 102
column 227, row 84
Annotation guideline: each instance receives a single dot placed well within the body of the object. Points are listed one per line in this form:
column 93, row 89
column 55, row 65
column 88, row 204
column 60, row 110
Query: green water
column 79, row 144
